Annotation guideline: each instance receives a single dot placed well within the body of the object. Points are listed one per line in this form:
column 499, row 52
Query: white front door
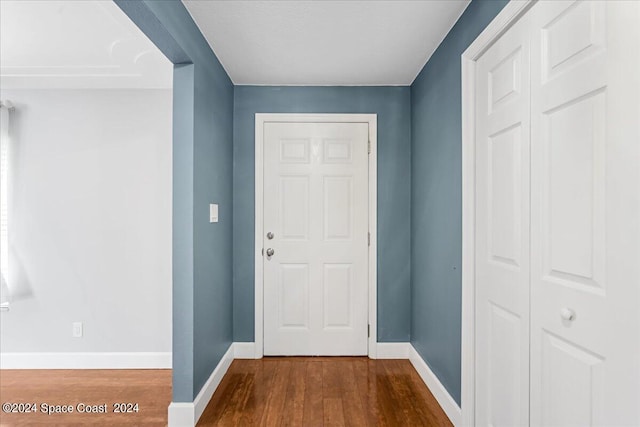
column 315, row 238
column 585, row 217
column 502, row 239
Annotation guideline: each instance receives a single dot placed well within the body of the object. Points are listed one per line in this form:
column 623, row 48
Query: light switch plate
column 213, row 212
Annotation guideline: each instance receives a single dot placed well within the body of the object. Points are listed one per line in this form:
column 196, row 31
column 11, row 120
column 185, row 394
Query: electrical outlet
column 77, row 330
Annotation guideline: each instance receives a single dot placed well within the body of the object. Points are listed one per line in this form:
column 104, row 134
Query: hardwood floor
column 150, row 388
column 322, row 391
column 274, row 391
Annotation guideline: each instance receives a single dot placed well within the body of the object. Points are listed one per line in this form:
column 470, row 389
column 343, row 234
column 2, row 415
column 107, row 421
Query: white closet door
column 502, row 231
column 585, row 289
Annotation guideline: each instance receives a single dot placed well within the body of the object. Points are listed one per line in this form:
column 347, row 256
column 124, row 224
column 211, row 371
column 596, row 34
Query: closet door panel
column 502, row 240
column 585, row 199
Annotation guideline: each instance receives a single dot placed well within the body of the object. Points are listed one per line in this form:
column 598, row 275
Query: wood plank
column 263, row 371
column 293, row 411
column 313, row 407
column 409, row 400
column 364, row 371
column 354, row 412
column 388, row 413
column 234, row 409
column 333, row 411
column 276, row 395
column 221, row 399
column 331, row 379
column 430, row 404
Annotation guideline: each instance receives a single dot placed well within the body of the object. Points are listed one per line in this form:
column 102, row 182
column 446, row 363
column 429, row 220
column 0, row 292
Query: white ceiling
column 324, row 42
column 76, row 44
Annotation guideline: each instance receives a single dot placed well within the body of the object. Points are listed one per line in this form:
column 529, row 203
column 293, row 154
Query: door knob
column 270, row 252
column 567, row 314
column 269, row 235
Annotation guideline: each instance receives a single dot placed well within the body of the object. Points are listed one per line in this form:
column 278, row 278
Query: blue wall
column 419, row 194
column 202, row 174
column 392, row 104
column 436, row 199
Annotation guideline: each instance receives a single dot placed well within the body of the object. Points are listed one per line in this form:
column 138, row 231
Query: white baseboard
column 441, row 394
column 182, row 414
column 392, row 350
column 384, row 350
column 203, row 398
column 117, row 360
column 187, row 414
column 244, row 350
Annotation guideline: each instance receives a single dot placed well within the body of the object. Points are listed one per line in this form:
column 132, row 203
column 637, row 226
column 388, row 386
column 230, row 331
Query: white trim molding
column 260, row 120
column 447, row 403
column 393, row 350
column 182, row 414
column 115, row 360
column 187, row 414
column 244, row 350
column 501, row 23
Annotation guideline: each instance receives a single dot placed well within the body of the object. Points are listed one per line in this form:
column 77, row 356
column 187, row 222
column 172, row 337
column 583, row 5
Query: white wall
column 90, row 220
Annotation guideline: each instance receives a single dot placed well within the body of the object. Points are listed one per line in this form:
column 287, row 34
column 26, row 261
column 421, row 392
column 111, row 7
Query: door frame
column 260, row 120
column 507, row 17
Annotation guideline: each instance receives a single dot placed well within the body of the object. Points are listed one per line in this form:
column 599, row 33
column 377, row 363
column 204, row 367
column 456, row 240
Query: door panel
column 337, row 207
column 294, row 296
column 575, row 400
column 316, row 206
column 585, row 240
column 506, row 367
column 573, row 190
column 337, row 290
column 502, row 231
column 295, row 217
column 505, row 182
